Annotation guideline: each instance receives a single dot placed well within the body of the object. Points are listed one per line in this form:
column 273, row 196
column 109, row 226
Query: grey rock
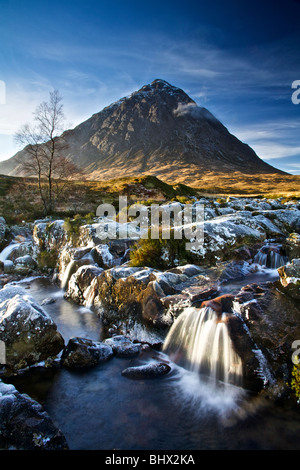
column 148, row 371
column 24, row 424
column 83, row 352
column 122, row 346
column 29, row 334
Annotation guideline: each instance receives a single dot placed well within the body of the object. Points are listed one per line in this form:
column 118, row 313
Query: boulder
column 48, row 234
column 290, row 278
column 102, row 256
column 29, row 334
column 224, row 234
column 122, row 346
column 81, row 288
column 152, row 370
column 271, row 319
column 83, row 352
column 25, row 264
column 24, row 425
column 292, row 246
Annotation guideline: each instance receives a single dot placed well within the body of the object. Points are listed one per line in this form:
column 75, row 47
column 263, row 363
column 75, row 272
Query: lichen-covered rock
column 122, row 346
column 25, row 264
column 290, row 278
column 47, row 234
column 24, row 425
column 102, row 256
column 292, row 245
column 29, row 334
column 81, row 288
column 271, row 319
column 224, row 234
column 83, row 352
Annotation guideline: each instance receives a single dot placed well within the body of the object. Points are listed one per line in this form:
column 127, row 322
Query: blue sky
column 236, row 58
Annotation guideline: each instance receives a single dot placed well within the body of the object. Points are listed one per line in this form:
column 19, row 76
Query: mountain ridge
column 157, row 130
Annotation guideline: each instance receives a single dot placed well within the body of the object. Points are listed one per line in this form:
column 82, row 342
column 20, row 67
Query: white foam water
column 199, row 341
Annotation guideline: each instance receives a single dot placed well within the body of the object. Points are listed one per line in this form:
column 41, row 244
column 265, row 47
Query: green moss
column 295, row 381
column 160, row 253
column 47, row 259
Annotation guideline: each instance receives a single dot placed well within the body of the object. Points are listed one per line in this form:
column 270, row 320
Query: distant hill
column 158, row 130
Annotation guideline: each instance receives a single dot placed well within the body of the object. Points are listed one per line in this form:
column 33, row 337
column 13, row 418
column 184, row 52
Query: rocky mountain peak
column 157, row 130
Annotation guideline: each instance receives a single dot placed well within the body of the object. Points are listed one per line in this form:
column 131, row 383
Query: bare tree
column 43, row 156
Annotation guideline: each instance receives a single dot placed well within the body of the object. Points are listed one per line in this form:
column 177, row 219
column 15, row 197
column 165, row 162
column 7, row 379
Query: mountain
column 158, row 130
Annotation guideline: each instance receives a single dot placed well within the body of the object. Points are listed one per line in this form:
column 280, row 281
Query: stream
column 99, row 409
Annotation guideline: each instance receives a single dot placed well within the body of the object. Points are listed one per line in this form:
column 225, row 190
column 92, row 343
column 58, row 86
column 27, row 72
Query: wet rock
column 25, row 264
column 7, row 266
column 271, row 319
column 29, row 334
column 72, row 268
column 254, row 378
column 152, row 308
column 3, row 228
column 122, row 346
column 118, row 293
column 220, row 304
column 232, row 271
column 81, row 283
column 24, row 425
column 83, row 352
column 48, row 301
column 292, row 246
column 204, row 290
column 48, row 234
column 152, row 370
column 290, row 278
column 102, row 256
column 189, row 270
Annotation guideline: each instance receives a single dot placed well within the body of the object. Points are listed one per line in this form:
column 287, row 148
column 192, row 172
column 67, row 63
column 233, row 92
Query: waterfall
column 199, row 341
column 90, row 293
column 8, row 250
column 270, row 257
column 72, row 267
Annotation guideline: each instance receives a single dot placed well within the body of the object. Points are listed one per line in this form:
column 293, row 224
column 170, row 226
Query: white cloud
column 271, row 151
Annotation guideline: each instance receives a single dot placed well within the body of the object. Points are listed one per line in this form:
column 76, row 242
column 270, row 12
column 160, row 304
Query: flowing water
column 270, row 257
column 200, row 341
column 198, row 405
column 98, row 408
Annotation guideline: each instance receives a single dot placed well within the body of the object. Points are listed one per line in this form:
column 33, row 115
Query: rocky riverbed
column 245, row 241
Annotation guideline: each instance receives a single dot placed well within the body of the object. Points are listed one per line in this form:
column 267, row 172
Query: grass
column 19, row 199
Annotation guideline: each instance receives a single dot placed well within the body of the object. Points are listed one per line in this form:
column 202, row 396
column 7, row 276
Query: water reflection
column 71, row 319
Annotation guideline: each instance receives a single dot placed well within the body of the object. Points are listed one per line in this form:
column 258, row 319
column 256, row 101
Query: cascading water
column 199, row 341
column 8, row 250
column 270, row 256
column 91, row 292
column 73, row 265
